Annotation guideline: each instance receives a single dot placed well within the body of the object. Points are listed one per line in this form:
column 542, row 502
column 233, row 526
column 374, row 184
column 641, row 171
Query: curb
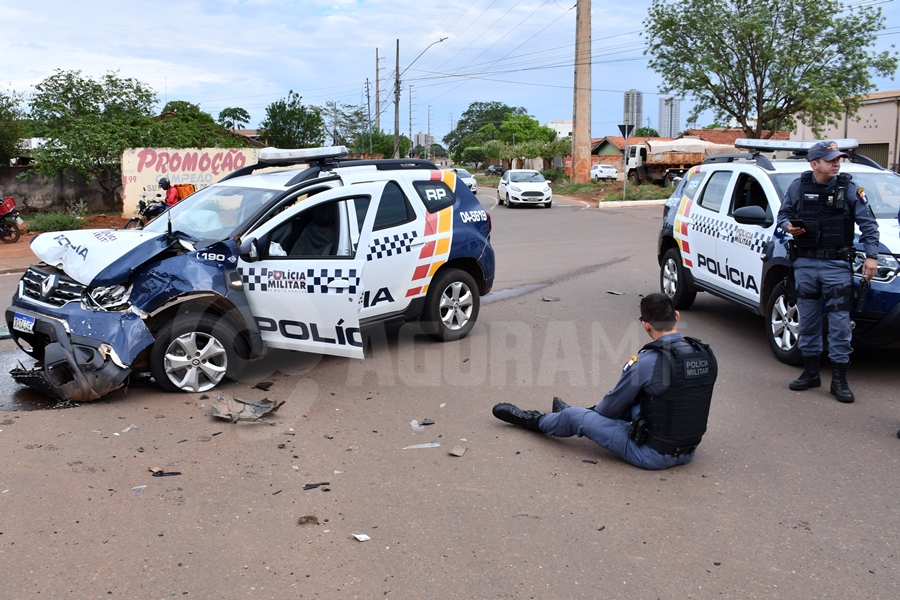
column 620, row 203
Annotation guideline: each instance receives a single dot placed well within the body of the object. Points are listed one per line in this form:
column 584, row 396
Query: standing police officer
column 819, row 211
column 656, row 415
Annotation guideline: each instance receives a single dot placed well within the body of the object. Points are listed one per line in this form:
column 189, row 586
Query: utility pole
column 581, row 110
column 410, row 121
column 369, row 114
column 428, row 141
column 397, row 105
column 377, row 92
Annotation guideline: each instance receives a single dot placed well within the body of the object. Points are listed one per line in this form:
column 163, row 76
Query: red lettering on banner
column 216, row 163
column 204, row 162
column 239, row 161
column 162, row 161
column 175, row 162
column 146, row 158
column 189, row 162
column 227, row 162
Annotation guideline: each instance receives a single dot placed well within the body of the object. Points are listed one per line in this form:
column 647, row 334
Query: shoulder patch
column 861, row 192
column 631, row 361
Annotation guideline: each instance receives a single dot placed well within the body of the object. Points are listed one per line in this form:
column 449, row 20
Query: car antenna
column 169, row 237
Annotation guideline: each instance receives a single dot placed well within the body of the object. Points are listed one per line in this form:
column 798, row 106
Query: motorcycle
column 9, row 221
column 147, row 211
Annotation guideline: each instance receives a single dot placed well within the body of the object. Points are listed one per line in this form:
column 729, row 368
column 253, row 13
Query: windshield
column 214, row 213
column 463, row 173
column 526, row 177
column 882, row 189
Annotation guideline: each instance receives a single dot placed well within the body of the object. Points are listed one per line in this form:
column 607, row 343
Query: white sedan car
column 524, row 186
column 599, row 172
column 467, row 179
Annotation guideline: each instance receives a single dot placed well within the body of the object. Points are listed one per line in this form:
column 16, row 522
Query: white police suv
column 719, row 236
column 297, row 252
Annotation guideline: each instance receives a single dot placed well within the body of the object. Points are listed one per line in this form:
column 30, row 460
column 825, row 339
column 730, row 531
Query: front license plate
column 23, row 323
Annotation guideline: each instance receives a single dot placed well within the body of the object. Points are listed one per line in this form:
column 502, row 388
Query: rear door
column 706, row 225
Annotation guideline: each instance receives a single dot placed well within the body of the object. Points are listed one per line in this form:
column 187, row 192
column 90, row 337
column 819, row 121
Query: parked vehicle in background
column 147, row 210
column 9, row 221
column 524, row 186
column 599, row 172
column 662, row 162
column 494, row 170
column 466, row 178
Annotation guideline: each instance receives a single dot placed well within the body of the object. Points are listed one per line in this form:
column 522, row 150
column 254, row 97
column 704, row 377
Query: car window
column 362, row 207
column 393, row 209
column 714, row 192
column 526, row 177
column 435, row 195
column 319, row 231
column 463, row 173
column 606, row 166
column 748, row 191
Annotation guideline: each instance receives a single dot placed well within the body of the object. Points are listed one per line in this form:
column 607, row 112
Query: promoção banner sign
column 142, row 168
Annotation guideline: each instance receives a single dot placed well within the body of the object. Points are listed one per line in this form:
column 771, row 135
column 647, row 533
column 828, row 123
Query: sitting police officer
column 656, row 415
column 819, row 211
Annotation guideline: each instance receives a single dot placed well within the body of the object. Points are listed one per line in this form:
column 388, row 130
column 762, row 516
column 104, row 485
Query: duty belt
column 827, row 253
column 666, row 449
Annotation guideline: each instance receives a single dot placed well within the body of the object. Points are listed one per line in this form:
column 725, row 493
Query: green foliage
column 77, row 208
column 346, row 124
column 438, row 151
column 184, row 125
column 473, row 154
column 12, row 125
column 645, row 132
column 556, row 174
column 383, row 143
column 471, row 128
column 524, row 128
column 289, row 124
column 764, row 63
column 52, row 222
column 233, row 118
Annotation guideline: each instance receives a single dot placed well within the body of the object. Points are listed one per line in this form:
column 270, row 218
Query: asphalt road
column 791, row 495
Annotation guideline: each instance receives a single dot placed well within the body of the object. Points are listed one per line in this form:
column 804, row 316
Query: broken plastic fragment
column 354, row 449
column 361, row 537
column 138, row 490
column 129, row 428
column 416, row 427
column 550, row 299
column 458, row 450
column 418, row 446
column 427, row 422
column 614, row 293
column 236, row 409
column 263, row 385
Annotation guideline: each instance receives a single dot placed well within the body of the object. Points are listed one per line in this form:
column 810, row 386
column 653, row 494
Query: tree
column 234, row 118
column 645, row 132
column 383, row 143
column 517, row 128
column 289, row 124
column 438, row 151
column 183, row 124
column 88, row 123
column 765, row 63
column 12, row 125
column 345, row 124
column 473, row 154
column 475, row 118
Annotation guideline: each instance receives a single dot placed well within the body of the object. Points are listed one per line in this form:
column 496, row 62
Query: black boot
column 515, row 415
column 810, row 376
column 559, row 405
column 839, row 386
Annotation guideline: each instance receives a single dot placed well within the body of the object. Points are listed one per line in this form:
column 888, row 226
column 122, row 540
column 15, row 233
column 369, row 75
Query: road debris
column 416, row 427
column 550, row 298
column 361, row 537
column 264, row 385
column 312, row 486
column 308, row 520
column 427, row 422
column 129, row 428
column 354, row 449
column 236, row 409
column 458, row 450
column 614, row 293
column 418, row 446
column 138, row 490
column 160, row 473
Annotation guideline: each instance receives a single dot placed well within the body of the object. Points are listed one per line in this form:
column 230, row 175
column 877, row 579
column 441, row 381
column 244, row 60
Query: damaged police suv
column 719, row 235
column 297, row 252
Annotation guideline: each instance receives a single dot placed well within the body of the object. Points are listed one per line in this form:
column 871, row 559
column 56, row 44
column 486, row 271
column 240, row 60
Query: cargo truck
column 664, row 162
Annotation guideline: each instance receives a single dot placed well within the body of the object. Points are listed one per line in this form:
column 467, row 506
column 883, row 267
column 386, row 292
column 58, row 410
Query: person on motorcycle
column 171, row 193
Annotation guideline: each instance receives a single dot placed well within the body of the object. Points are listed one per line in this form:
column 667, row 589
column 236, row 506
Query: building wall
column 876, row 130
column 669, row 116
column 46, row 194
column 633, row 113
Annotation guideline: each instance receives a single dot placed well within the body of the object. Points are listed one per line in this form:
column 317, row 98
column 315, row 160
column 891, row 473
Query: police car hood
column 98, row 256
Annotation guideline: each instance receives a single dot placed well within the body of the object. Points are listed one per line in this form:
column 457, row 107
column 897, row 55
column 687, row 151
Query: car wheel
column 133, row 223
column 633, row 177
column 195, row 355
column 548, row 203
column 783, row 327
column 451, row 306
column 672, row 280
column 508, row 203
column 9, row 232
column 499, row 197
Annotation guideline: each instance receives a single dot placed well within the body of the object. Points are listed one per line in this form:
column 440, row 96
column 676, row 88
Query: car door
column 740, row 245
column 706, row 224
column 305, row 285
column 501, row 187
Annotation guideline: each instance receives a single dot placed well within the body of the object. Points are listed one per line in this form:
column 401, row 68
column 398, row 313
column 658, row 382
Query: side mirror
column 549, row 182
column 751, row 215
column 249, row 250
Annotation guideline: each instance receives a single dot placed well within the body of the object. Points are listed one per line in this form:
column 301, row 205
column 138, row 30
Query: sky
column 250, row 53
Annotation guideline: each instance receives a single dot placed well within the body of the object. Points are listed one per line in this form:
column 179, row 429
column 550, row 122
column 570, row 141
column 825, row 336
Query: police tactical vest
column 826, row 216
column 680, row 414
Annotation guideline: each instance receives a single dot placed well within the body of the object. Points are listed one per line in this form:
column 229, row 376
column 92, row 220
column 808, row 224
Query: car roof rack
column 761, row 160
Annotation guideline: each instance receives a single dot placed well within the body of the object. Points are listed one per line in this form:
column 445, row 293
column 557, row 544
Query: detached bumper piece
column 82, row 372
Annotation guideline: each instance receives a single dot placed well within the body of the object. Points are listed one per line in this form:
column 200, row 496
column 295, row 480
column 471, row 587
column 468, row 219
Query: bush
column 555, row 174
column 52, row 222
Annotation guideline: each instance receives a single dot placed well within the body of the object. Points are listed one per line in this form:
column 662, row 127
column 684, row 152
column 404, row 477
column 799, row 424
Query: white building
column 423, row 139
column 669, row 116
column 562, row 127
column 633, row 113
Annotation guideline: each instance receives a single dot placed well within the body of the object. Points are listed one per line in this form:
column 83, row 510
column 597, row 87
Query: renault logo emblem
column 48, row 285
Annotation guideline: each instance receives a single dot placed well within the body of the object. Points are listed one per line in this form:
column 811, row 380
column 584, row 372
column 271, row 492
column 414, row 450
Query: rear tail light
column 490, row 223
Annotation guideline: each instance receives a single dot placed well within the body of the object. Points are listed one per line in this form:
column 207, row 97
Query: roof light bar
column 799, row 146
column 276, row 155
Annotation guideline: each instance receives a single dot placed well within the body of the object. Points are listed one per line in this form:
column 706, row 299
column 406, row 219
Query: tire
column 499, row 198
column 633, row 177
column 508, row 203
column 547, row 204
column 133, row 223
column 451, row 306
column 669, row 180
column 219, row 352
column 9, row 232
column 672, row 280
column 782, row 327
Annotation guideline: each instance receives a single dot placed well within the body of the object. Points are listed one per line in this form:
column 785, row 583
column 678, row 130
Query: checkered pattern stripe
column 391, row 245
column 318, row 284
column 731, row 232
column 253, row 280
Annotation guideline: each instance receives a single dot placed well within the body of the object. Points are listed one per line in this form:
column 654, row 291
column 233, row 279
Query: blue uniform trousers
column 811, row 276
column 612, row 434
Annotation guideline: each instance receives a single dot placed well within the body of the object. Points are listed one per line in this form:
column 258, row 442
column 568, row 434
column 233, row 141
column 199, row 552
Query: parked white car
column 599, row 172
column 467, row 178
column 524, row 186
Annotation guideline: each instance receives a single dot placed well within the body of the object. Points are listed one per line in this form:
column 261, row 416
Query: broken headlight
column 112, row 297
column 886, row 270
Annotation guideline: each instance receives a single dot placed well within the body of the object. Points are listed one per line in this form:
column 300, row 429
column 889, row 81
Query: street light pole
column 397, row 93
